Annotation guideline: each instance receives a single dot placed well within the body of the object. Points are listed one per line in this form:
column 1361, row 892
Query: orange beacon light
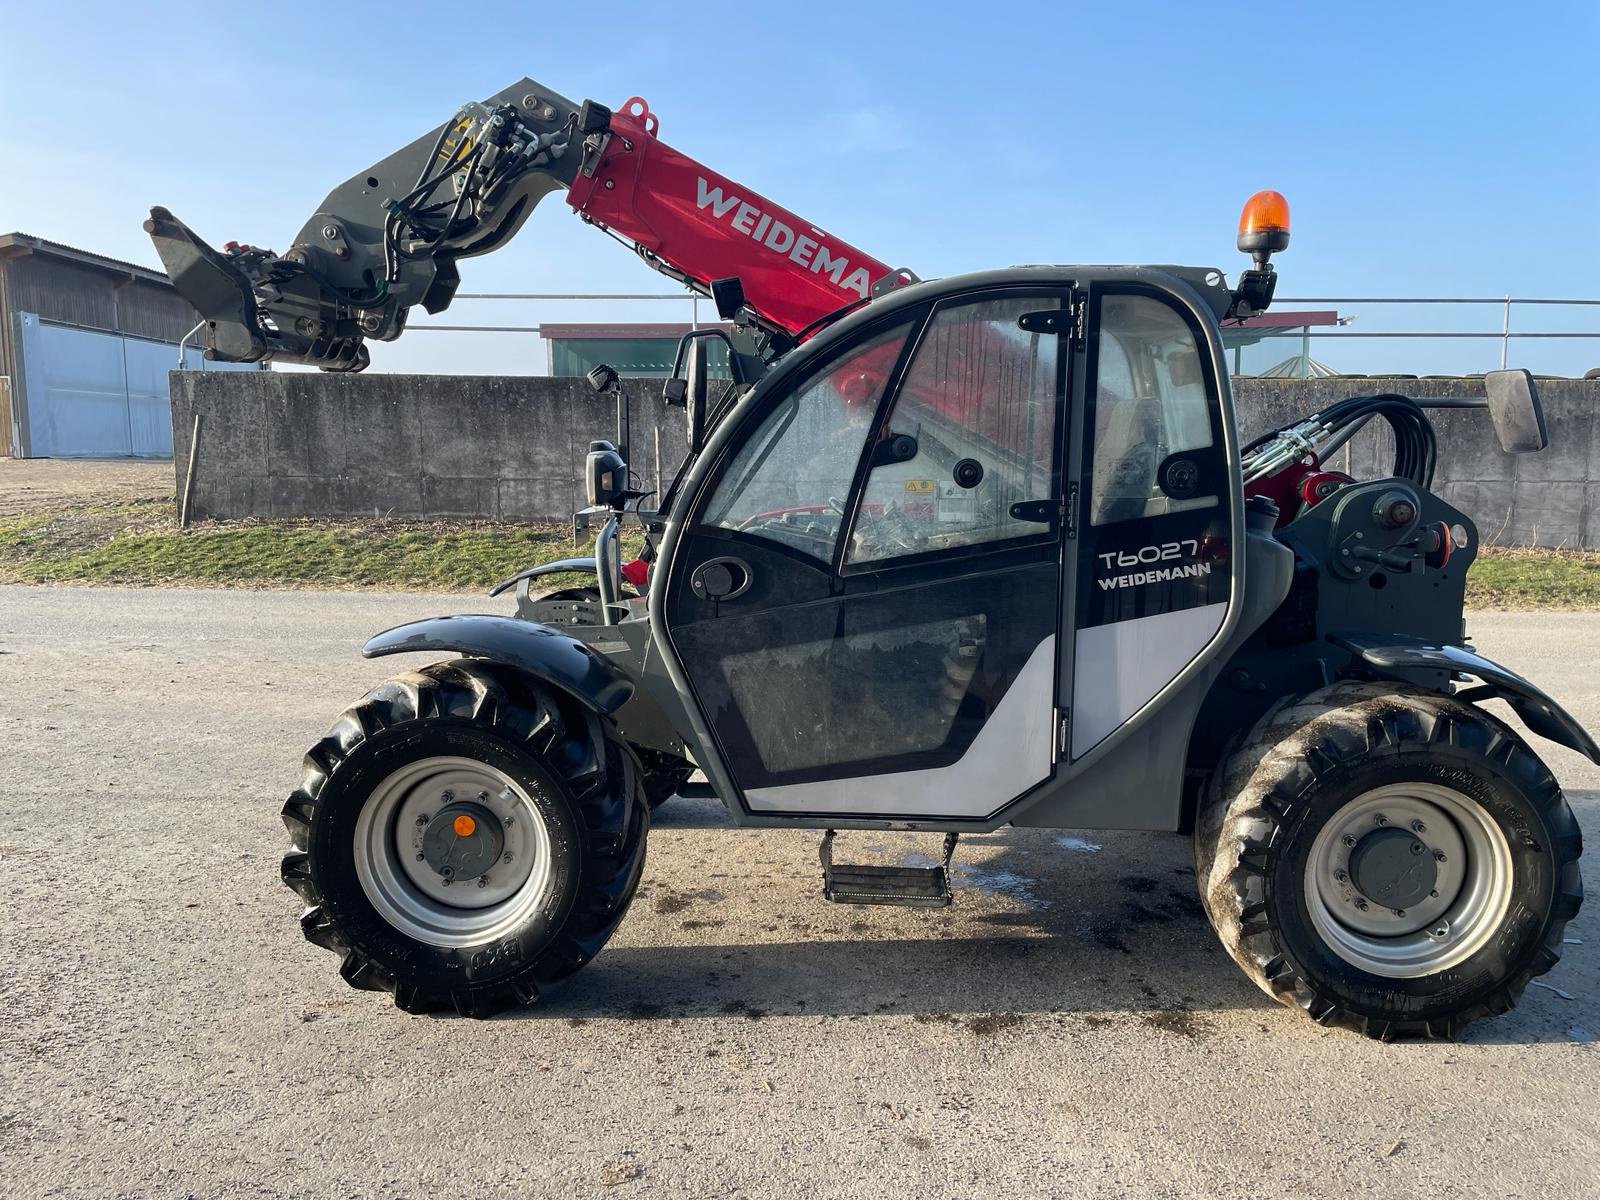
column 1264, row 225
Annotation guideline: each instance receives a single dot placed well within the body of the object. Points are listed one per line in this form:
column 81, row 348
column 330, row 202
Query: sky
column 1427, row 149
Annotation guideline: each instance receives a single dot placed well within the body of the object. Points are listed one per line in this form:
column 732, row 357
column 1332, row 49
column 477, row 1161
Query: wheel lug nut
column 1349, row 839
column 420, row 857
column 507, row 821
column 483, row 797
column 505, row 858
column 1399, row 912
column 1418, row 827
column 1362, row 905
column 446, row 797
column 423, row 819
column 1381, row 819
column 1438, row 855
column 1341, row 876
column 483, row 881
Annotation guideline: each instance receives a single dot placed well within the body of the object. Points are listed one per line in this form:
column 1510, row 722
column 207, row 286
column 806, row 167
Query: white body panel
column 1010, row 755
column 1117, row 668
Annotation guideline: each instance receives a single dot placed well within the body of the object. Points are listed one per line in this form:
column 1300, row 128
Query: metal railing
column 693, row 299
column 1505, row 303
column 1505, row 335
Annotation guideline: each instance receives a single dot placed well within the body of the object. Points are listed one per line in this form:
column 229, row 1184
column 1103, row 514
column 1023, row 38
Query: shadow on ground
column 1102, row 925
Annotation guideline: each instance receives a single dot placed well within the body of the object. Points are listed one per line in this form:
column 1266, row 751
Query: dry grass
column 138, row 543
column 1530, row 578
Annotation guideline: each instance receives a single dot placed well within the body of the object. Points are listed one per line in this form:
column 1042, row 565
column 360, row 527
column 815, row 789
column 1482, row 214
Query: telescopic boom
column 388, row 238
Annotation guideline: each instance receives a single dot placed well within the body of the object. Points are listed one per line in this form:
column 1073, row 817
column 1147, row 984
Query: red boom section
column 706, row 226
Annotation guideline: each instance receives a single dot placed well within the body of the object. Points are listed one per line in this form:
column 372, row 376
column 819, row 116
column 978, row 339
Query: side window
column 790, row 480
column 972, row 432
column 1150, row 403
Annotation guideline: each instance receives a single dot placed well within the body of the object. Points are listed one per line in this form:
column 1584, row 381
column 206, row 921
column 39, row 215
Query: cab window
column 790, row 480
column 972, row 432
column 1150, row 403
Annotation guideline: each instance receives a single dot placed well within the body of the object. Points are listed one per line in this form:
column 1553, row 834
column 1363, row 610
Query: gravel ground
column 1070, row 1026
column 36, row 484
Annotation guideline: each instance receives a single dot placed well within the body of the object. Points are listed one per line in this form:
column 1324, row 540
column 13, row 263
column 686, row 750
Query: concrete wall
column 511, row 448
column 280, row 444
column 1547, row 499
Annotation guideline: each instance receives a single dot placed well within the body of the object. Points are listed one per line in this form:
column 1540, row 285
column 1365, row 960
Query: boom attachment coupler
column 383, row 241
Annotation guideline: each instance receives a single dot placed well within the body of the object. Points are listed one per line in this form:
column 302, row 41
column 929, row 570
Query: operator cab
column 974, row 528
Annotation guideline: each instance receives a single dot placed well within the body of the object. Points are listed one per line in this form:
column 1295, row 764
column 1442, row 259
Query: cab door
column 865, row 598
column 1153, row 573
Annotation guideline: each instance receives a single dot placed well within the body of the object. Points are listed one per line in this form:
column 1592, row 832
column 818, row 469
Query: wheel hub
column 1408, row 880
column 452, row 851
column 1394, row 868
column 463, row 841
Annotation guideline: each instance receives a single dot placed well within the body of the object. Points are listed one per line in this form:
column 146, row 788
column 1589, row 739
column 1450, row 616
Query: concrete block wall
column 501, row 447
column 280, row 444
column 1547, row 499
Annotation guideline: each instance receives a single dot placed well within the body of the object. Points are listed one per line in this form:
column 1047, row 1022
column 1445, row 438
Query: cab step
column 868, row 883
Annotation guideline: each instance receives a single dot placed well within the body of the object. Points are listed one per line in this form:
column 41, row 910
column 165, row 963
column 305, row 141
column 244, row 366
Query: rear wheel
column 1393, row 861
column 464, row 837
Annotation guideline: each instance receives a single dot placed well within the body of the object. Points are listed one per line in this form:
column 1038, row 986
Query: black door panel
column 898, row 679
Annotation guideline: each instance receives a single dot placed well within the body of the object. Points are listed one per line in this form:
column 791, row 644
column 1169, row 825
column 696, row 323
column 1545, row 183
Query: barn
column 86, row 342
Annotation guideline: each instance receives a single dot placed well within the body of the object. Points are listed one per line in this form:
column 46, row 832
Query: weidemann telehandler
column 943, row 556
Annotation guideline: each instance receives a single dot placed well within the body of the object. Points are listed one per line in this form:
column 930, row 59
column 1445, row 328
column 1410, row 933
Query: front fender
column 545, row 653
column 1537, row 711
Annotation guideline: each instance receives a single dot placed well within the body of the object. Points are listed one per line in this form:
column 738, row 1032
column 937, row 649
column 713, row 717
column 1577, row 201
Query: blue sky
column 1426, row 149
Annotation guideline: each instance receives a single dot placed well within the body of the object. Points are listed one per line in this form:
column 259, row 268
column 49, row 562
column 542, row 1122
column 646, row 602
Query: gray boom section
column 545, row 653
column 383, row 241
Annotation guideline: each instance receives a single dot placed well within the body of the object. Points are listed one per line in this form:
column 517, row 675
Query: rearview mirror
column 605, row 474
column 1515, row 409
column 688, row 385
column 694, row 374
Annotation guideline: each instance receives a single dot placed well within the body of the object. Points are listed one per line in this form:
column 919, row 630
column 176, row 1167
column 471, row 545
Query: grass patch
column 1563, row 579
column 138, row 543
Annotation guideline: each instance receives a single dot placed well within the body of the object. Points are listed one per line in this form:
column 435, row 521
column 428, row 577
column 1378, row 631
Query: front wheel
column 465, row 837
column 1387, row 859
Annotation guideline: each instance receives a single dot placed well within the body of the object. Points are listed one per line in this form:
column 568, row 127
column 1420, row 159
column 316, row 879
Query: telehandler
column 944, row 556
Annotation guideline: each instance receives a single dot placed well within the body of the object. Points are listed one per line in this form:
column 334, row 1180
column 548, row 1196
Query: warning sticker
column 920, row 487
column 956, row 503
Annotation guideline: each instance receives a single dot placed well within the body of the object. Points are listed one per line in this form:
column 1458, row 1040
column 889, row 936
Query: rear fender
column 1396, row 655
column 546, row 654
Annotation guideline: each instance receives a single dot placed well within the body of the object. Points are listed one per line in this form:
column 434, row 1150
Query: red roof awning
column 1285, row 320
column 591, row 332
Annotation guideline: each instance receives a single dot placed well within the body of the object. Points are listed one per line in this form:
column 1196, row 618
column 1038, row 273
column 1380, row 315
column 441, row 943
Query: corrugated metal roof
column 38, row 245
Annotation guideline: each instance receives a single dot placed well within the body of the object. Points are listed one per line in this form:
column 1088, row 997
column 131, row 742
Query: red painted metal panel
column 705, row 225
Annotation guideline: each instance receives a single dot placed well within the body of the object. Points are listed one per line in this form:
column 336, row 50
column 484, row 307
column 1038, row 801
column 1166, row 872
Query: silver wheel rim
column 1471, row 893
column 419, row 902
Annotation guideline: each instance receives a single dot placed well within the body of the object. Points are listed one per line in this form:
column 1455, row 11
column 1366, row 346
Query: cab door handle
column 720, row 579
